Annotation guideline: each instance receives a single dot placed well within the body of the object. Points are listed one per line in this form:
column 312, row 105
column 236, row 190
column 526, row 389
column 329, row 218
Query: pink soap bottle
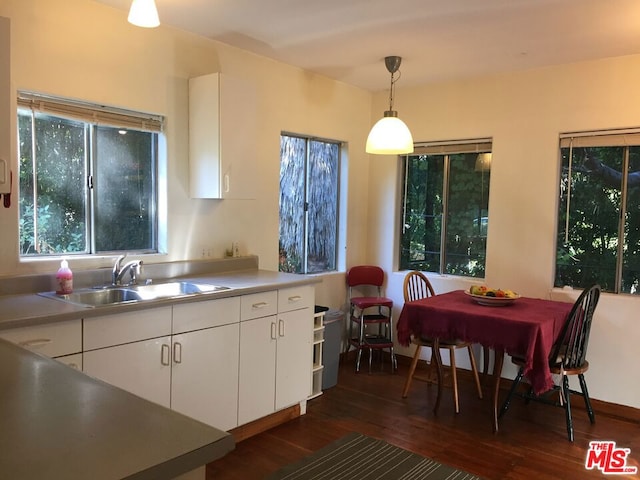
column 64, row 279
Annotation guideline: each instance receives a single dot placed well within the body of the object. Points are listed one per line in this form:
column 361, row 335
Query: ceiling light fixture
column 390, row 135
column 143, row 13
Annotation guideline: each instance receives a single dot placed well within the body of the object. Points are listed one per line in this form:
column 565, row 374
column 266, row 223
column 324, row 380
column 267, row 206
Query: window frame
column 91, row 117
column 445, row 149
column 337, row 195
column 613, row 138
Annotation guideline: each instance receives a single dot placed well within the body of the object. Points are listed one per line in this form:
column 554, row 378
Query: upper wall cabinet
column 222, row 136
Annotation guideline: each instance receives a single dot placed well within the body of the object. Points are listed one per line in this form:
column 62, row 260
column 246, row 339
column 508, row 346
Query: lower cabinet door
column 204, row 382
column 294, row 357
column 142, row 368
column 256, row 391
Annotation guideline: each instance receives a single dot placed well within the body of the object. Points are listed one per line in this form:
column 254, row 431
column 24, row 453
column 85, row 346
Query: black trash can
column 333, row 323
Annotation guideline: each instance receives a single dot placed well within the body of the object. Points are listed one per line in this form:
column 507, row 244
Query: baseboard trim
column 263, row 424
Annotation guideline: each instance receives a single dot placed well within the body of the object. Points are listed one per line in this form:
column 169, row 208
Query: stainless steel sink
column 175, row 289
column 100, row 297
column 97, row 298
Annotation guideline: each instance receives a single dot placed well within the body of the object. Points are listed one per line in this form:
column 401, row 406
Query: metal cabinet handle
column 281, row 327
column 260, row 305
column 295, row 298
column 36, row 342
column 177, row 352
column 165, row 355
column 273, row 331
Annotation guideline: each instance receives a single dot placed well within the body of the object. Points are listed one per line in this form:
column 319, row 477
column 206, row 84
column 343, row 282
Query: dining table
column 522, row 326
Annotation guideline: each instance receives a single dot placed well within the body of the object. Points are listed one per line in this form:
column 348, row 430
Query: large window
column 308, row 204
column 599, row 211
column 445, row 208
column 88, row 178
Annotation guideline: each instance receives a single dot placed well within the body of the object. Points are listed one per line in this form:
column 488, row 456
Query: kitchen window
column 445, row 213
column 598, row 237
column 309, row 194
column 88, row 178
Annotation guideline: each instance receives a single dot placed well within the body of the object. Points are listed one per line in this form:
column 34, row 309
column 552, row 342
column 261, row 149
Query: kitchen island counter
column 58, row 423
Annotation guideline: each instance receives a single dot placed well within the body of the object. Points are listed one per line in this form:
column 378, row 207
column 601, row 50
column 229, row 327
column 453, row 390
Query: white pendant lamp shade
column 483, row 162
column 143, row 13
column 389, row 136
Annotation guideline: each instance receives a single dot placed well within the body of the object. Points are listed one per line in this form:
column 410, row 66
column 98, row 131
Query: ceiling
column 439, row 40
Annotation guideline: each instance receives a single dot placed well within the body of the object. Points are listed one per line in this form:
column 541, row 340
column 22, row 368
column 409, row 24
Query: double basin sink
column 104, row 296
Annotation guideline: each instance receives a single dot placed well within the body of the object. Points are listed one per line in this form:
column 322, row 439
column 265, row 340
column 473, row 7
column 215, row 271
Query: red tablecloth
column 527, row 328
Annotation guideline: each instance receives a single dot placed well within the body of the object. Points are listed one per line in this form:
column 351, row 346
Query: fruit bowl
column 490, row 301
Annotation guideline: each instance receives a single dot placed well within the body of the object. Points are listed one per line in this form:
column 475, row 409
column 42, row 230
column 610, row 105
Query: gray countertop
column 32, row 309
column 58, row 423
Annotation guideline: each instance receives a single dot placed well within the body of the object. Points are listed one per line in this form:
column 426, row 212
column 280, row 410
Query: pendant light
column 390, row 135
column 483, row 162
column 143, row 13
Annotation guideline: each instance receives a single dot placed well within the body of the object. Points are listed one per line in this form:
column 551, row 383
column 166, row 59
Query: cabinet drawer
column 108, row 330
column 198, row 315
column 258, row 305
column 295, row 298
column 53, row 340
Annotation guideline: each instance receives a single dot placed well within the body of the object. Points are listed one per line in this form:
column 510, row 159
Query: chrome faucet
column 133, row 268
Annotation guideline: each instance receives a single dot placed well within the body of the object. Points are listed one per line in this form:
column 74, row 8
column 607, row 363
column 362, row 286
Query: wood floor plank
column 531, row 442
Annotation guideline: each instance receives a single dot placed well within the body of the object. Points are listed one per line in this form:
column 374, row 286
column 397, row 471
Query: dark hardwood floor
column 531, row 443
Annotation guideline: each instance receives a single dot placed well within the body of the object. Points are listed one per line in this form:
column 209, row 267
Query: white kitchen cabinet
column 295, row 298
column 142, row 368
column 132, row 351
column 257, row 387
column 56, row 340
column 188, row 317
column 117, row 329
column 294, row 355
column 222, row 137
column 275, row 352
column 192, row 368
column 295, row 345
column 204, row 382
column 258, row 305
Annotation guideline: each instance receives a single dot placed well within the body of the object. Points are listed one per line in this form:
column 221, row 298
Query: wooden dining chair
column 417, row 286
column 568, row 357
column 370, row 313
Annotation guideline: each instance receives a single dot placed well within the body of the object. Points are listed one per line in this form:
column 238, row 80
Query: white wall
column 523, row 113
column 86, row 50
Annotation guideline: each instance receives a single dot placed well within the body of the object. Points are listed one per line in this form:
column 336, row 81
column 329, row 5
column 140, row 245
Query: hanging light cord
column 392, row 88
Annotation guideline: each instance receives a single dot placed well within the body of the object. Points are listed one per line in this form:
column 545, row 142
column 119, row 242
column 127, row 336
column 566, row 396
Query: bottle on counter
column 64, row 279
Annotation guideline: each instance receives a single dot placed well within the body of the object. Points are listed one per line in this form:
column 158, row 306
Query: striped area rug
column 358, row 457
